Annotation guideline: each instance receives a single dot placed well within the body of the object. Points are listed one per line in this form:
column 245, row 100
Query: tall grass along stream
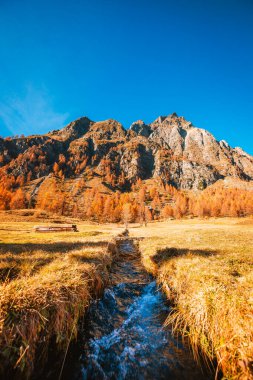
column 125, row 337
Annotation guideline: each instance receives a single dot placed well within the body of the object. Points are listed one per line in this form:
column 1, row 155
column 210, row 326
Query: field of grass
column 206, row 269
column 47, row 281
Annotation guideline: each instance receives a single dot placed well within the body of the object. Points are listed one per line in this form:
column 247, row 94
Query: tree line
column 141, row 204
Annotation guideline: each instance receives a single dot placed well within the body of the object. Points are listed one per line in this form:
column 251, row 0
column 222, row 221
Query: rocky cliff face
column 170, row 147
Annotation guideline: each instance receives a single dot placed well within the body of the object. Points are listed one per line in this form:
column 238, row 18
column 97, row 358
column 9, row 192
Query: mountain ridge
column 70, row 127
column 170, row 148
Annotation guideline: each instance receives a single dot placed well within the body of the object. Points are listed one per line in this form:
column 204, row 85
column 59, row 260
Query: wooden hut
column 56, row 228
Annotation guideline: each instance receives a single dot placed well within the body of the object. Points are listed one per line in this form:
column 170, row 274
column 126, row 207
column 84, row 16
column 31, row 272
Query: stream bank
column 124, row 335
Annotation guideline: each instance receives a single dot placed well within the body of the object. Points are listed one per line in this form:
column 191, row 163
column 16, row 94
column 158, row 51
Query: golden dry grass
column 206, row 269
column 46, row 283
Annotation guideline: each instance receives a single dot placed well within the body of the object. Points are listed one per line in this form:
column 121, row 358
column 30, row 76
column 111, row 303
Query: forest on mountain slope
column 100, row 171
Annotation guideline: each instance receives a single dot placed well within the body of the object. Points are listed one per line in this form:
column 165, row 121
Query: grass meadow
column 47, row 281
column 205, row 267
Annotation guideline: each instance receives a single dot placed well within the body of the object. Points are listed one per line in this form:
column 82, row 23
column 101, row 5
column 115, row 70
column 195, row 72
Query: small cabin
column 57, row 228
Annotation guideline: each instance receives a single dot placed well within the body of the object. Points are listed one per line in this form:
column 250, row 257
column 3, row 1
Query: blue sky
column 127, row 60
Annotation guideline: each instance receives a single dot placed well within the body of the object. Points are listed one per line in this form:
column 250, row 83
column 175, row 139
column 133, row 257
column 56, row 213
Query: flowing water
column 125, row 337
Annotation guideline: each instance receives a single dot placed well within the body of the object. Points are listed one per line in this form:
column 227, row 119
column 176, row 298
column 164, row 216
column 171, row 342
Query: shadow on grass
column 63, row 247
column 166, row 254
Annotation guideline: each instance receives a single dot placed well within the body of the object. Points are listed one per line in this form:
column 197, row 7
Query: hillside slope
column 105, row 156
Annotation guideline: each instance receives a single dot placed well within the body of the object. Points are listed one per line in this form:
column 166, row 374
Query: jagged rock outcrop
column 74, row 130
column 140, row 128
column 170, row 147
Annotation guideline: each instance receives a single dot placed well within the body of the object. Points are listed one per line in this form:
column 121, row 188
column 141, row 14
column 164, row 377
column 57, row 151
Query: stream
column 125, row 337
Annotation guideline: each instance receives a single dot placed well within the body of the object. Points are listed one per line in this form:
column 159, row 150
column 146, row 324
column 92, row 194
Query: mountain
column 108, row 157
column 170, row 147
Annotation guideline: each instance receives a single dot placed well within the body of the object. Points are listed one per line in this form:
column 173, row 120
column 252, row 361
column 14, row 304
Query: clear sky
column 127, row 60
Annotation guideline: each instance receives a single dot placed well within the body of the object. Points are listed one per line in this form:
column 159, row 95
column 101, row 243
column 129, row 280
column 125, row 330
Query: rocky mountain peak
column 172, row 120
column 242, row 152
column 137, row 122
column 170, row 148
column 157, row 122
column 73, row 130
column 224, row 144
column 107, row 130
column 140, row 128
